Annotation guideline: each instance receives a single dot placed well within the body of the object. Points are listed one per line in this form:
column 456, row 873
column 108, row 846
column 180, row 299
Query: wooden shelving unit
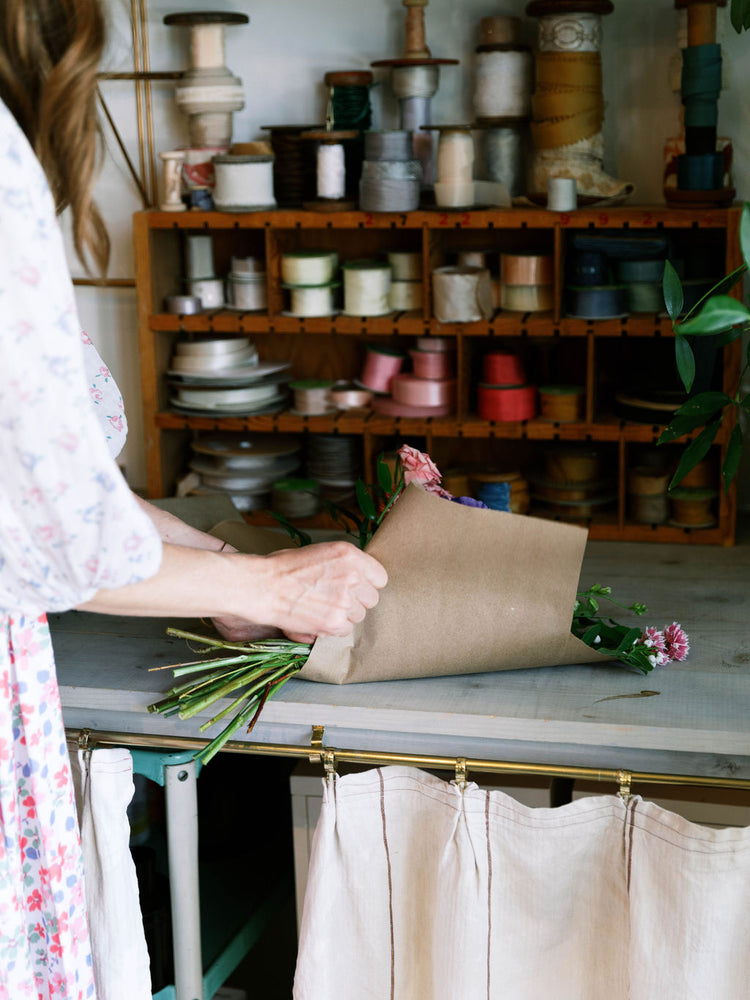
column 561, row 347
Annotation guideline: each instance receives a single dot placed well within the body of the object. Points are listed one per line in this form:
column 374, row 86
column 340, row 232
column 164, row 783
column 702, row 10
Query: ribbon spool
column 247, row 292
column 431, row 364
column 309, row 301
column 527, row 269
column 461, row 294
column 210, row 291
column 405, row 296
column 561, row 404
column 454, row 186
column 501, row 155
column 199, row 256
column 645, row 297
column 390, row 186
column 423, row 392
column 388, row 145
column 183, row 305
column 506, row 404
column 526, row 298
column 293, row 165
column 295, row 498
column 207, row 93
column 502, row 87
column 647, row 495
column 308, row 267
column 380, row 367
column 406, row 265
column 572, row 465
column 415, row 80
column 331, row 184
column 244, row 183
column 692, row 507
column 502, row 368
column 348, row 396
column 312, row 397
column 597, row 301
column 367, row 285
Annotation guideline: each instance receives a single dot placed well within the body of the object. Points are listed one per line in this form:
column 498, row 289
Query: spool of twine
column 294, row 173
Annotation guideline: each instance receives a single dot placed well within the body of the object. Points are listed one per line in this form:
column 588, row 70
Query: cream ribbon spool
column 573, row 32
column 311, row 300
column 247, row 291
column 503, row 84
column 406, row 265
column 405, row 295
column 245, row 396
column 311, row 267
column 462, row 294
column 367, row 288
column 243, row 183
column 526, row 298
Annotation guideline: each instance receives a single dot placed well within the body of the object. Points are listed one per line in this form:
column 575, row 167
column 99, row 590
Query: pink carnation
column 653, row 639
column 421, row 470
column 676, row 642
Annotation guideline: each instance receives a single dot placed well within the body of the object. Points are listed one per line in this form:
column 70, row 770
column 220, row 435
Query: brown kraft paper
column 469, row 590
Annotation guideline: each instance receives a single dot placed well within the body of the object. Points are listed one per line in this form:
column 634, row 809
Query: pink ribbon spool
column 412, row 391
column 502, row 368
column 431, row 364
column 379, row 368
column 507, row 404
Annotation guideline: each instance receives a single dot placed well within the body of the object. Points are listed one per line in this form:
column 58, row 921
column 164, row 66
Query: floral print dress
column 68, row 528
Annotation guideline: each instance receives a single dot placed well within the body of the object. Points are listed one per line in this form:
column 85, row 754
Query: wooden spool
column 572, row 465
column 561, row 403
column 692, row 507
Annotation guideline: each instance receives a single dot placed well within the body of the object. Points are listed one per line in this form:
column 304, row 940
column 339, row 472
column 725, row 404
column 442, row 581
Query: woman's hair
column 49, row 58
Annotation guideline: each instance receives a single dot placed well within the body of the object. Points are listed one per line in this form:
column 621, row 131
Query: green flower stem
column 183, row 669
column 209, row 751
column 209, row 696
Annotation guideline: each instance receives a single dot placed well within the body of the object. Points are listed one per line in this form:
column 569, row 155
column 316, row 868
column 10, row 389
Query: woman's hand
column 321, row 589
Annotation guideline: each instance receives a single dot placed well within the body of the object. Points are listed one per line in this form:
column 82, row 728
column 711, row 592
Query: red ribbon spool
column 502, row 368
column 505, row 404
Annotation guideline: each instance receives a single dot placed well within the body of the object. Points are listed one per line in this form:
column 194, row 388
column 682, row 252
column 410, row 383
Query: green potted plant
column 724, row 318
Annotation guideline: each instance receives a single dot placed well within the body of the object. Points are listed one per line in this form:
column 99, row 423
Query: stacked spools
column 391, row 176
column 571, row 484
column 429, row 390
column 406, row 291
column 334, row 462
column 246, row 285
column 201, row 280
column 568, row 105
column 242, row 466
column 309, row 276
column 526, row 282
column 642, row 279
column 503, row 395
column 502, row 102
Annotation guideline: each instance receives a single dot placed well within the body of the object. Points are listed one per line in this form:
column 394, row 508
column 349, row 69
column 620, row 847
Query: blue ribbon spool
column 589, row 268
column 597, row 301
column 702, row 172
column 701, row 84
column 495, row 495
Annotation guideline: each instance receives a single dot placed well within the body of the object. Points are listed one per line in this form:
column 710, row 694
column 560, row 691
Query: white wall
column 281, row 57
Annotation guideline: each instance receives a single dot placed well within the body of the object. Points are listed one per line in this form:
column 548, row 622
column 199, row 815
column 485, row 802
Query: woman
column 71, row 533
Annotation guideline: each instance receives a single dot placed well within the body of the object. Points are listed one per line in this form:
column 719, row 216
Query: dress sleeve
column 69, row 525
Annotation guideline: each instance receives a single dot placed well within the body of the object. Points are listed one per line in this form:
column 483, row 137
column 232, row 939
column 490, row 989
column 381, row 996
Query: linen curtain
column 419, row 889
column 103, row 782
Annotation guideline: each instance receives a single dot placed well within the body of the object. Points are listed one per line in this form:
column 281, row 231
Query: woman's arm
column 174, row 531
column 322, row 589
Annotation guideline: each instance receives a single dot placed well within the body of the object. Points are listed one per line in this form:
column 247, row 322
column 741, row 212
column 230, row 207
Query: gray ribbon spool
column 390, row 186
column 384, row 144
column 183, row 305
column 597, row 301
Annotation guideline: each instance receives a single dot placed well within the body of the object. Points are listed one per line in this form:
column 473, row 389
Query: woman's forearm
column 175, row 531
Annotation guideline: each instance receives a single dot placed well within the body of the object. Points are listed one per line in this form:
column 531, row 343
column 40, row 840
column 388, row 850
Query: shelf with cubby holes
column 592, row 352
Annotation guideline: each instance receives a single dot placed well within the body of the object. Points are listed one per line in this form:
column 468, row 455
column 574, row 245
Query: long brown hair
column 49, row 57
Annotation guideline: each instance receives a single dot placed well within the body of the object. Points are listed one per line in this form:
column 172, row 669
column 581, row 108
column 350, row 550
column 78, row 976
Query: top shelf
column 619, row 217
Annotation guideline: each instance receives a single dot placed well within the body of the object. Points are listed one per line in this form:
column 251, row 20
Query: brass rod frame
column 316, row 752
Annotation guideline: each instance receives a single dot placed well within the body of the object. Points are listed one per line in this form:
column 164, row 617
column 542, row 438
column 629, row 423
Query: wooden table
column 690, row 718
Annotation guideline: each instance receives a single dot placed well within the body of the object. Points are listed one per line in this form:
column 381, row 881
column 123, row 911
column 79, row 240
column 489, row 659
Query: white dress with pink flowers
column 68, row 527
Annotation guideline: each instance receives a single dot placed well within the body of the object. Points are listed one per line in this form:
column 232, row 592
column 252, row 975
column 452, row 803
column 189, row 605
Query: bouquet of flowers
column 469, row 590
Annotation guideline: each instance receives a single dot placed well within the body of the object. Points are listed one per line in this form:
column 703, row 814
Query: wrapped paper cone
column 469, row 590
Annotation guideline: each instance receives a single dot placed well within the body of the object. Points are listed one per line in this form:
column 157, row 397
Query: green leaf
column 696, row 451
column 693, row 413
column 732, row 457
column 729, row 336
column 384, row 475
column 745, row 221
column 673, row 294
column 365, row 501
column 719, row 313
column 737, row 15
column 685, row 360
column 301, row 537
column 628, row 639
